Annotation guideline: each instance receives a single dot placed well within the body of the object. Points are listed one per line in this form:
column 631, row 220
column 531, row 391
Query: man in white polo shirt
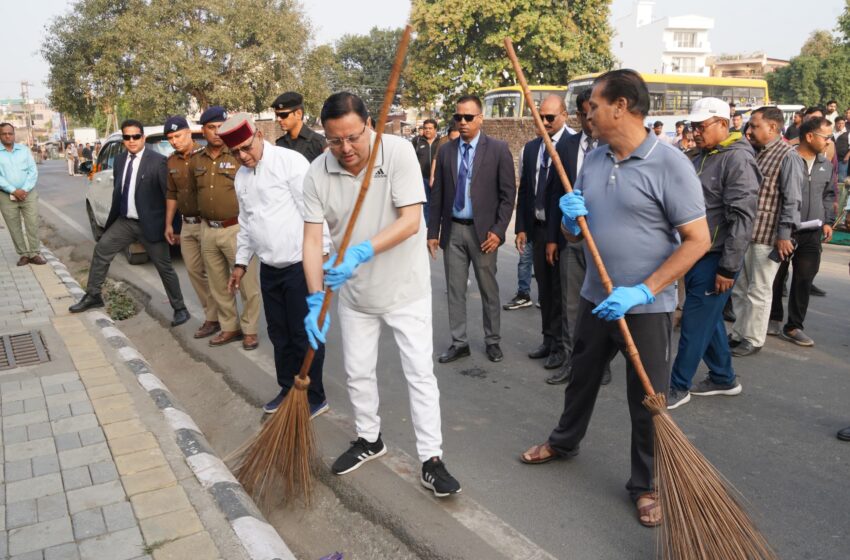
column 384, row 278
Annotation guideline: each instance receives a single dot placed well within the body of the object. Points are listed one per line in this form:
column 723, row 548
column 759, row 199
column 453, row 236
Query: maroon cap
column 237, row 130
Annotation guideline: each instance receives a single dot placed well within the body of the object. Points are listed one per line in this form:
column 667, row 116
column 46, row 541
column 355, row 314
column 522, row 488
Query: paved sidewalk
column 84, row 474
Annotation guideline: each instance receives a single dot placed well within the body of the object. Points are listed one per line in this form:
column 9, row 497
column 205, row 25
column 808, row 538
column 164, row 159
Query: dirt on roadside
column 227, row 420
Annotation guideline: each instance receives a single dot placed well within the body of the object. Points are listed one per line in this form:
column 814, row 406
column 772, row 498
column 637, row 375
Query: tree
column 170, row 56
column 364, row 63
column 458, row 44
column 819, row 44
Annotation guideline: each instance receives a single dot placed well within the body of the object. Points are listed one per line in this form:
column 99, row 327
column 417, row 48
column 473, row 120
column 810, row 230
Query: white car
column 99, row 193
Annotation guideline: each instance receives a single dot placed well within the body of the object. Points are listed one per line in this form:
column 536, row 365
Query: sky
column 777, row 27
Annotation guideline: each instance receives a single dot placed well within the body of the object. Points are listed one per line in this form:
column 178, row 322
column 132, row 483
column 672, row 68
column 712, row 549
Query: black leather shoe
column 453, row 353
column 555, row 360
column 745, row 348
column 728, row 314
column 815, row 291
column 843, row 435
column 564, row 375
column 180, row 317
column 606, row 375
column 540, row 352
column 494, row 353
column 732, row 342
column 88, row 302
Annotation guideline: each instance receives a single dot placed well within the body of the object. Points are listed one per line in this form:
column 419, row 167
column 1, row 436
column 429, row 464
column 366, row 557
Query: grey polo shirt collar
column 642, row 151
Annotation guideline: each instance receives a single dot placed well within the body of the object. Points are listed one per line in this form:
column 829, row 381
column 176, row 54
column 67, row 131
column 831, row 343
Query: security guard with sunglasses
column 214, row 168
column 289, row 113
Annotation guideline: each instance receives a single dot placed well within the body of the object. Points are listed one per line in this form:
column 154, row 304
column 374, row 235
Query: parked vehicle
column 99, row 193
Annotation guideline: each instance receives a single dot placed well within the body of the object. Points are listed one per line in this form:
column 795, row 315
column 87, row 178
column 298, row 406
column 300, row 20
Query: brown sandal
column 644, row 511
column 535, row 455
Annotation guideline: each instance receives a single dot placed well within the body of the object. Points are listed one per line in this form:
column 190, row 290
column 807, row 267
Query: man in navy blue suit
column 568, row 256
column 532, row 216
column 137, row 214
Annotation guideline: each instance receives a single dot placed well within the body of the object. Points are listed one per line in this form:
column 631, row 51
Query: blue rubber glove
column 621, row 300
column 335, row 276
column 315, row 335
column 572, row 205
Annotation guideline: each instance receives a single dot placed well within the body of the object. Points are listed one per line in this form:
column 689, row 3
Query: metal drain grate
column 22, row 349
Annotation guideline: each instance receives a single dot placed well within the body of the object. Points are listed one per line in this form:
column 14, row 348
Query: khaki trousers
column 13, row 211
column 753, row 294
column 218, row 246
column 190, row 248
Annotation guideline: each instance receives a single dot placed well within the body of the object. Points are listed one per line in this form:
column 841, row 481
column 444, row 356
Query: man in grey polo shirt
column 384, row 278
column 636, row 194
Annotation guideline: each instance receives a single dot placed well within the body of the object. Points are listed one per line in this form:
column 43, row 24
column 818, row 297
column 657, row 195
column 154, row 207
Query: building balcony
column 698, row 48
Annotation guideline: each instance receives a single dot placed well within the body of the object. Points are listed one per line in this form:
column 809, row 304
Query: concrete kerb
column 259, row 539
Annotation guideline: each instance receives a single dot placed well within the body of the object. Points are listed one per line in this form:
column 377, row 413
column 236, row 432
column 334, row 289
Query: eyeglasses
column 351, row 139
column 701, row 126
column 549, row 118
column 824, row 136
column 285, row 114
column 244, row 149
column 132, row 136
column 468, row 118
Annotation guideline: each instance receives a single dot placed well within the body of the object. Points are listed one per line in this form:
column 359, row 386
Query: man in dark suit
column 569, row 256
column 137, row 215
column 472, row 200
column 531, row 225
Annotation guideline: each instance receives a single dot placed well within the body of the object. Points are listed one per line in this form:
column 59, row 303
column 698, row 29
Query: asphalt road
column 775, row 442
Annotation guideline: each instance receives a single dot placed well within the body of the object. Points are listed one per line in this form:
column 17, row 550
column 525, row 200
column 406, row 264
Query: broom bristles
column 279, row 462
column 703, row 519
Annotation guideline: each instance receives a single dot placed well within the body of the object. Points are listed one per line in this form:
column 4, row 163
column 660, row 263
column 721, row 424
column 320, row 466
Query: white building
column 668, row 45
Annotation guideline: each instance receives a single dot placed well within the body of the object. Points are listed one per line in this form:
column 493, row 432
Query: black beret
column 288, row 100
column 213, row 114
column 173, row 124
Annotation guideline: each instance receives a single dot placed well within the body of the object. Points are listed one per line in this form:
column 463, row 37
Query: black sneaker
column 677, row 398
column 436, row 478
column 707, row 388
column 361, row 451
column 519, row 301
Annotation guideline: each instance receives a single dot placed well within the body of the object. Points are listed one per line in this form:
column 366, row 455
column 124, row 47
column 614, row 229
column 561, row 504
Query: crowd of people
column 724, row 208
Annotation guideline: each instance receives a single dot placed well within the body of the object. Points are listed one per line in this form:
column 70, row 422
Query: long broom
column 702, row 520
column 279, row 461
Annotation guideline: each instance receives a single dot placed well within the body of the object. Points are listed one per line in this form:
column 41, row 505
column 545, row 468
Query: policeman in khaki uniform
column 214, row 168
column 181, row 196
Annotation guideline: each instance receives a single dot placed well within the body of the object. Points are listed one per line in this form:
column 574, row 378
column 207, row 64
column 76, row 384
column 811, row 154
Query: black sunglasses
column 549, row 118
column 132, row 136
column 285, row 114
column 468, row 118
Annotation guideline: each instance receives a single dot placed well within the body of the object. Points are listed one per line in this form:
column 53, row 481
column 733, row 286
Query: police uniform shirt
column 308, row 143
column 180, row 186
column 214, row 184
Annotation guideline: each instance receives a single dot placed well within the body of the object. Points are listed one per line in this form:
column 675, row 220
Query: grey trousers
column 462, row 249
column 572, row 267
column 115, row 239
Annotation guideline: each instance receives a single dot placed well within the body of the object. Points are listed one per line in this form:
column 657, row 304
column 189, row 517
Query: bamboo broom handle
column 631, row 348
column 389, row 95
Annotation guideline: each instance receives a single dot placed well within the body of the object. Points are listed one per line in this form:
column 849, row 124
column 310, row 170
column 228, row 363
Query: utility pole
column 25, row 95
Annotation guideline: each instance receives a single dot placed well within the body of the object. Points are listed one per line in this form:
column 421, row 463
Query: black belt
column 462, row 221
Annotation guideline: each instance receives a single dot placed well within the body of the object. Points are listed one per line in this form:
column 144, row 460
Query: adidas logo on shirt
column 379, row 174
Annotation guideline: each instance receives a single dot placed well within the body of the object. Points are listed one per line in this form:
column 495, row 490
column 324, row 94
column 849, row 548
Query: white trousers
column 753, row 294
column 411, row 326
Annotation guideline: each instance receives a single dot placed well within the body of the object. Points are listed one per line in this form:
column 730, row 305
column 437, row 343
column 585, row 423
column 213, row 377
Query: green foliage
column 119, row 304
column 458, row 46
column 363, row 65
column 164, row 56
column 818, row 74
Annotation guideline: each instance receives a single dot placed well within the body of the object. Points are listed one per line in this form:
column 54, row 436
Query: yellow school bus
column 509, row 102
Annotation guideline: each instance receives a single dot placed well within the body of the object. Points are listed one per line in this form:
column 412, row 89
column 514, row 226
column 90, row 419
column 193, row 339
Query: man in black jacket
column 426, row 147
column 816, row 218
column 531, row 226
column 137, row 215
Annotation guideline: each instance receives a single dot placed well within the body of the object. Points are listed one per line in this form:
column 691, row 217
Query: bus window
column 695, row 93
column 676, row 98
column 576, row 88
column 502, row 105
column 539, row 96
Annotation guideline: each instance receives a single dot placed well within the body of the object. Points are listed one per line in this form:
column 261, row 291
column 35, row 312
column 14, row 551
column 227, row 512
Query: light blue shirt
column 17, row 169
column 466, row 213
column 633, row 209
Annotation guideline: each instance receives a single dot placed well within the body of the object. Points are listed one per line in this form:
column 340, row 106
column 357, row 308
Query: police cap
column 175, row 123
column 213, row 114
column 288, row 100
